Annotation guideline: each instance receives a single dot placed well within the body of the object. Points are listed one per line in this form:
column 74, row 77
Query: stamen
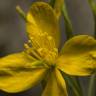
column 55, row 50
column 48, row 55
column 51, row 42
column 30, row 42
column 26, row 46
column 34, row 54
column 41, row 51
column 35, row 43
column 27, row 54
column 31, row 52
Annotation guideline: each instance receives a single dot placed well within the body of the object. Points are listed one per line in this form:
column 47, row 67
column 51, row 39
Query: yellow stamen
column 35, row 43
column 51, row 42
column 26, row 46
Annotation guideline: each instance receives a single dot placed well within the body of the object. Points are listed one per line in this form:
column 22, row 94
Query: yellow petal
column 42, row 24
column 78, row 56
column 18, row 73
column 55, row 85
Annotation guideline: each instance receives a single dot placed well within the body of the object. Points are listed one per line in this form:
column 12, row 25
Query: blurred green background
column 13, row 36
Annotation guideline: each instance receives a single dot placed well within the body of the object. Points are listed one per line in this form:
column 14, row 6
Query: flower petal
column 18, row 73
column 42, row 23
column 55, row 85
column 78, row 56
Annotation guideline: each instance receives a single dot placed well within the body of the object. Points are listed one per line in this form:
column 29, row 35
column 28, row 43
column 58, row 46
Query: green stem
column 74, row 84
column 21, row 13
column 52, row 3
column 91, row 85
column 23, row 16
column 68, row 24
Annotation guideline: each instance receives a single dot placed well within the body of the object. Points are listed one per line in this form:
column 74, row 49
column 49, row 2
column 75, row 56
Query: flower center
column 48, row 55
column 43, row 47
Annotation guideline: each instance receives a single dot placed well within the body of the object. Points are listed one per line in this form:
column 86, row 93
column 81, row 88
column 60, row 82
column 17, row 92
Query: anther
column 49, row 37
column 55, row 50
column 26, row 46
column 29, row 41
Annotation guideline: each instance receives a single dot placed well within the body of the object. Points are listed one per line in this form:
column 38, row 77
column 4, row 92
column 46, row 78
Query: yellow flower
column 41, row 59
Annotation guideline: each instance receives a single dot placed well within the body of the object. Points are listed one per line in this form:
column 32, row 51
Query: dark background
column 13, row 36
